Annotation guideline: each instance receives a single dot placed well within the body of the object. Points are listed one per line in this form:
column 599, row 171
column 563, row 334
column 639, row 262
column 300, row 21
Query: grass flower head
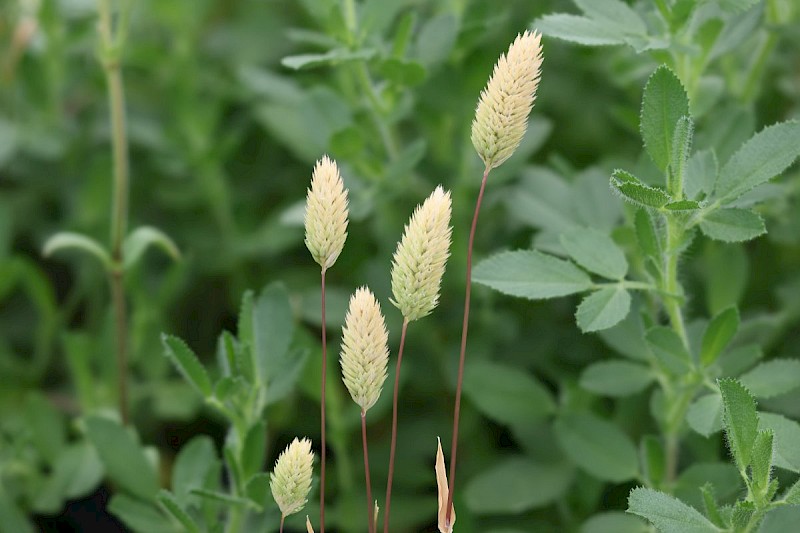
column 419, row 262
column 365, row 350
column 326, row 213
column 501, row 117
column 290, row 481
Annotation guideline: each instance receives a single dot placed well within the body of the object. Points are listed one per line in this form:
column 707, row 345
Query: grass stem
column 323, row 454
column 462, row 355
column 393, row 444
column 370, row 522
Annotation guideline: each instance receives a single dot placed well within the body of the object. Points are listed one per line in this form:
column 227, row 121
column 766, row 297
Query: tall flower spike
column 365, row 350
column 419, row 262
column 501, row 116
column 326, row 213
column 290, row 481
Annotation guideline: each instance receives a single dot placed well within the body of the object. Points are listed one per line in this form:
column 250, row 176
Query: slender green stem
column 393, row 445
column 111, row 57
column 671, row 285
column 463, row 354
column 756, row 72
column 370, row 523
column 323, row 453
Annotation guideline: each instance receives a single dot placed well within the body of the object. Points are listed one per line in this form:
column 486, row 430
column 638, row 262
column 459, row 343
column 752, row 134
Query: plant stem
column 393, row 444
column 462, row 355
column 671, row 286
column 370, row 523
column 283, row 517
column 119, row 214
column 322, row 411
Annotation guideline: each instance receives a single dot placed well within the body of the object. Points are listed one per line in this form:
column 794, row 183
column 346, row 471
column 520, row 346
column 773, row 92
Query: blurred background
column 230, row 103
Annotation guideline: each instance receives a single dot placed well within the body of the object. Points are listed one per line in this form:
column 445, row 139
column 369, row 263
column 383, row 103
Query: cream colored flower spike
column 365, row 349
column 326, row 213
column 290, row 481
column 419, row 262
column 502, row 113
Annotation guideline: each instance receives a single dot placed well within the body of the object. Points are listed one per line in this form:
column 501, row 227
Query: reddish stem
column 322, row 412
column 394, row 427
column 283, row 517
column 462, row 357
column 370, row 522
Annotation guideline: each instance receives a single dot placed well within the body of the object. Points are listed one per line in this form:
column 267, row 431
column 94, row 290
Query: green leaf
column 505, row 394
column 740, row 420
column 681, row 149
column 46, row 425
column 616, row 378
column 775, row 377
column 646, row 234
column 732, row 225
column 710, row 505
column 636, row 192
column 651, row 452
column 273, row 328
column 258, row 489
column 664, row 103
column 436, row 38
column 613, row 12
column 723, row 477
column 792, row 496
column 595, row 251
column 531, row 274
column 742, row 513
column 76, row 471
column 781, row 520
column 67, row 240
column 516, row 485
column 187, row 364
column 787, row 435
column 705, row 414
column 597, row 446
column 683, row 205
column 171, row 505
column 736, row 5
column 196, row 460
column 603, row 309
column 727, row 274
column 667, row 513
column 123, row 458
column 577, row 29
column 614, row 522
column 701, row 173
column 331, row 57
column 139, row 516
column 404, row 73
column 764, row 156
column 13, row 518
column 761, row 464
column 669, row 349
column 140, row 239
column 254, row 450
column 718, row 334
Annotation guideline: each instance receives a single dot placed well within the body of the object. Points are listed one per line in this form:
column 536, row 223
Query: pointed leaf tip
column 441, row 483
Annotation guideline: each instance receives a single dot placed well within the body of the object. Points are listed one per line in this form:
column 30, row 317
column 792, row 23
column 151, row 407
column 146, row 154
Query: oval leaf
column 664, row 102
column 516, row 485
column 595, row 251
column 506, row 394
column 603, row 309
column 531, row 274
column 616, row 378
column 732, row 225
column 667, row 513
column 598, row 447
column 772, row 378
column 187, row 364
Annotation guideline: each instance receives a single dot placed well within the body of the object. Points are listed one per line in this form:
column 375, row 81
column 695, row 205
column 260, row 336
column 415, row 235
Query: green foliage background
column 230, row 102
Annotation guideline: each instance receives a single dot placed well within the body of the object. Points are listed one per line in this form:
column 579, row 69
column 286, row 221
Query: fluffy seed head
column 421, row 256
column 502, row 113
column 365, row 349
column 326, row 213
column 290, row 481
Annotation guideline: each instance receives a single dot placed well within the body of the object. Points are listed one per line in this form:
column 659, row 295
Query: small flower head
column 365, row 349
column 290, row 481
column 326, row 213
column 502, row 113
column 419, row 262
